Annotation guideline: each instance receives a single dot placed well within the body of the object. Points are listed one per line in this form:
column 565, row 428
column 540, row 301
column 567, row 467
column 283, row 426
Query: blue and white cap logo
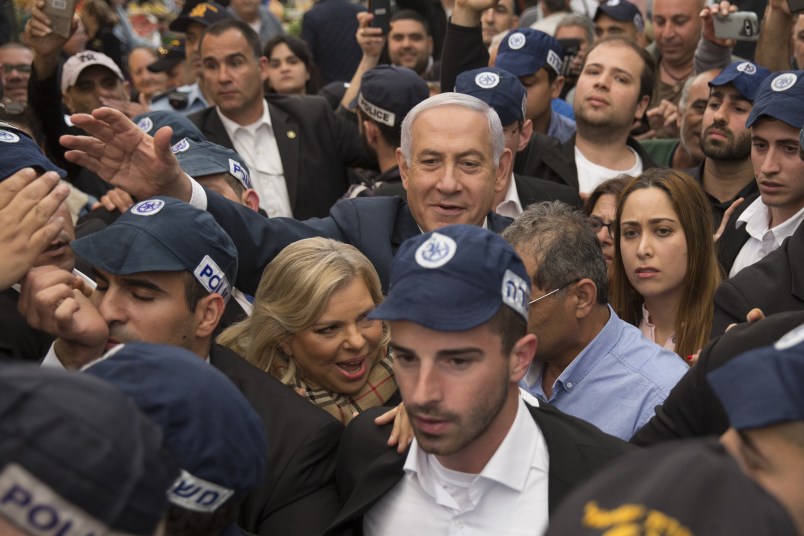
column 212, row 277
column 516, row 41
column 437, row 251
column 197, row 494
column 148, row 207
column 8, row 137
column 239, row 172
column 639, row 23
column 515, row 293
column 554, row 61
column 487, row 80
column 783, row 82
column 747, row 67
column 181, row 146
column 790, row 339
column 145, row 124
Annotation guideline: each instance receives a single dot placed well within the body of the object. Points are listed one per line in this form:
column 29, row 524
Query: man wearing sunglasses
column 589, row 363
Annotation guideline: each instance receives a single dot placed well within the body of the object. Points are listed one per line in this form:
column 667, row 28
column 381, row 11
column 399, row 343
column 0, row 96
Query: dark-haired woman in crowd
column 290, row 67
column 601, row 211
column 665, row 272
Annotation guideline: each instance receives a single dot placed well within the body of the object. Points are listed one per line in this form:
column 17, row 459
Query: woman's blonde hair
column 293, row 293
column 694, row 318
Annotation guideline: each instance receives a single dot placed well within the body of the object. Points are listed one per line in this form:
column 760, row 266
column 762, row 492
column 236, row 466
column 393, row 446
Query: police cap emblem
column 487, row 80
column 8, row 137
column 148, row 207
column 437, row 251
column 516, row 40
column 784, row 81
column 747, row 67
column 145, row 124
column 181, row 146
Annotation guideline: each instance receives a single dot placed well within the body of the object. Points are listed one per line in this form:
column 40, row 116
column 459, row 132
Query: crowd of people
column 463, row 267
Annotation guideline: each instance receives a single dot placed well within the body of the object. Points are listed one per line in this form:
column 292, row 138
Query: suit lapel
column 567, row 464
column 382, row 475
column 214, row 130
column 406, row 227
column 286, row 132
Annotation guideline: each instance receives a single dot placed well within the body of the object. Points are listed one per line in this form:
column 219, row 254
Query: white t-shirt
column 590, row 175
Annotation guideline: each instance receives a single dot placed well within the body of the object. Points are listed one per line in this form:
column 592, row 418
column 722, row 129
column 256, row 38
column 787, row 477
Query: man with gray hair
column 587, row 356
column 452, row 161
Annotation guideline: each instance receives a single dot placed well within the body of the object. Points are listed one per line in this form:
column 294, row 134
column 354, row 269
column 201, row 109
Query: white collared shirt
column 761, row 239
column 510, row 206
column 509, row 497
column 256, row 143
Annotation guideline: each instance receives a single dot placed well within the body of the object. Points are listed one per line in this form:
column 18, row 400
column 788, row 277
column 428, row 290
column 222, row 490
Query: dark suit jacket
column 314, row 145
column 692, row 409
column 775, row 284
column 532, row 190
column 298, row 494
column 733, row 238
column 377, row 226
column 368, row 468
column 547, row 158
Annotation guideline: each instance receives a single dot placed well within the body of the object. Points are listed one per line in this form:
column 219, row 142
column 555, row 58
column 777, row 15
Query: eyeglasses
column 597, row 224
column 562, row 287
column 23, row 68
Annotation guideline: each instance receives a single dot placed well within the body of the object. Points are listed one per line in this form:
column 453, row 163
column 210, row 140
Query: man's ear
column 251, row 199
column 642, row 107
column 208, row 313
column 526, row 132
column 67, row 100
column 557, row 86
column 503, row 170
column 522, row 356
column 585, row 292
column 403, row 167
column 263, row 61
column 370, row 130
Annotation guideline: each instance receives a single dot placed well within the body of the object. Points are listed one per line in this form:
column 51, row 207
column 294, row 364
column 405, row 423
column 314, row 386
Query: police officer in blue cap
column 505, row 93
column 164, row 272
column 619, row 17
column 726, row 173
column 762, row 394
column 484, row 456
column 537, row 60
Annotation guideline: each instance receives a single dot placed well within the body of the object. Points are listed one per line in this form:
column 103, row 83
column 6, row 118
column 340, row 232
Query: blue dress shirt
column 615, row 382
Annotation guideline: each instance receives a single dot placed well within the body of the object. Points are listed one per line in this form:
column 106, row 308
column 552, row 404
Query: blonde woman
column 310, row 328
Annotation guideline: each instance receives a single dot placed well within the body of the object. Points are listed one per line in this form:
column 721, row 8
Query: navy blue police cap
column 18, row 151
column 214, row 433
column 525, row 50
column 780, row 96
column 151, row 122
column 499, row 89
column 201, row 158
column 455, row 279
column 388, row 93
column 745, row 76
column 763, row 386
column 205, row 14
column 78, row 456
column 169, row 56
column 623, row 11
column 163, row 234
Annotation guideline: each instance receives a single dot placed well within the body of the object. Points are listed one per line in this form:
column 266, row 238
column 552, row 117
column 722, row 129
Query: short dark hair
column 509, row 325
column 647, row 79
column 252, row 38
column 193, row 290
column 391, row 134
column 300, row 50
column 409, row 14
column 560, row 237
